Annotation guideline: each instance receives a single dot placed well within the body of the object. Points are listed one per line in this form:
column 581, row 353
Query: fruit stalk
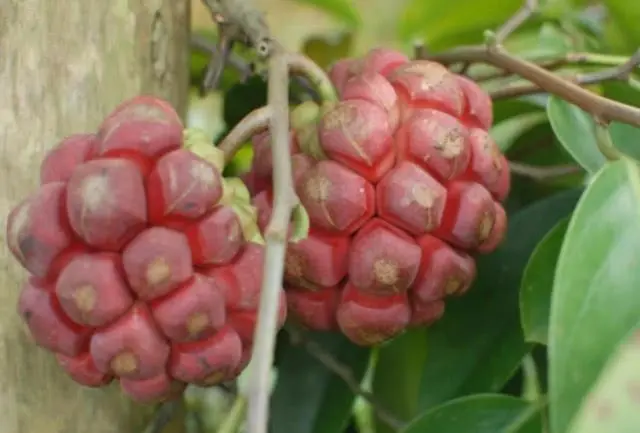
column 276, row 240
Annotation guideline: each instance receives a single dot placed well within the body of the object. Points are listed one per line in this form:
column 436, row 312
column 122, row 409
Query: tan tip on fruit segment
column 158, row 272
column 124, row 363
column 294, row 264
column 386, row 272
column 197, row 323
column 214, row 378
column 451, row 145
column 423, row 196
column 317, row 188
column 486, row 225
column 452, row 285
column 85, row 298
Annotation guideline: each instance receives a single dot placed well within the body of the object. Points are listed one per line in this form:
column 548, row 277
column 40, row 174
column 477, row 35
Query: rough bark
column 63, row 66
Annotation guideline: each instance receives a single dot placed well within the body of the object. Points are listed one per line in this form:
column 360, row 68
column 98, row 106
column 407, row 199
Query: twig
column 516, row 20
column 543, row 173
column 254, row 122
column 604, row 108
column 620, row 73
column 346, row 374
column 285, row 200
column 245, row 69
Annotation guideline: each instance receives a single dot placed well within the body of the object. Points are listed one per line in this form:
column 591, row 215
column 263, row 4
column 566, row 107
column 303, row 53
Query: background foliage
column 544, row 341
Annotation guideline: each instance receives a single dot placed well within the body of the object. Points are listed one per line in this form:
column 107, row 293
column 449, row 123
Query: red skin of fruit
column 336, row 199
column 409, row 198
column 130, row 347
column 425, row 314
column 358, row 134
column 368, row 319
column 320, row 260
column 341, row 71
column 38, row 230
column 488, row 166
column 383, row 259
column 193, row 312
column 210, row 361
column 59, row 162
column 83, row 370
column 141, row 129
column 373, row 87
column 216, row 238
column 427, row 84
column 469, row 215
column 106, row 203
column 47, row 324
column 155, row 389
column 478, row 111
column 382, row 61
column 156, row 262
column 437, row 142
column 443, row 271
column 315, row 309
column 182, row 187
column 92, row 291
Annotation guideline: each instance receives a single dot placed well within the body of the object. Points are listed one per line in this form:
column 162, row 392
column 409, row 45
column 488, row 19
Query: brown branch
column 346, row 374
column 543, row 173
column 493, row 53
column 619, row 73
column 549, row 82
column 202, row 44
column 516, row 20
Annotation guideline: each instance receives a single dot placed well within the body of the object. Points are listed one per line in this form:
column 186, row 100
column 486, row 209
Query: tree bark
column 63, row 66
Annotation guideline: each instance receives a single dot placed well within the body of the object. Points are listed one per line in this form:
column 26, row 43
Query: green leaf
column 308, row 397
column 575, row 130
column 507, row 132
column 612, row 404
column 435, row 20
column 344, row 10
column 625, row 16
column 537, row 284
column 595, row 298
column 396, row 382
column 489, row 413
column 478, row 344
column 626, row 138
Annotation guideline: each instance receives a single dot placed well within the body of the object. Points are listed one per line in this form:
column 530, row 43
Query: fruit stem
column 299, row 64
column 285, row 200
column 235, row 417
column 251, row 124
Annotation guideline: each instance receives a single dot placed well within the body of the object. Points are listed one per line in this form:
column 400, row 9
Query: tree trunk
column 63, row 67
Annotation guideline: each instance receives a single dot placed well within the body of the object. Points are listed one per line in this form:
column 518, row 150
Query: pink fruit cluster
column 138, row 271
column 403, row 185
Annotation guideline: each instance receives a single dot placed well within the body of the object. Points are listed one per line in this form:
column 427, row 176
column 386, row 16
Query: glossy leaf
column 537, row 284
column 308, row 397
column 595, row 298
column 478, row 344
column 489, row 413
column 626, row 138
column 612, row 404
column 396, row 382
column 575, row 131
column 507, row 132
column 343, row 10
